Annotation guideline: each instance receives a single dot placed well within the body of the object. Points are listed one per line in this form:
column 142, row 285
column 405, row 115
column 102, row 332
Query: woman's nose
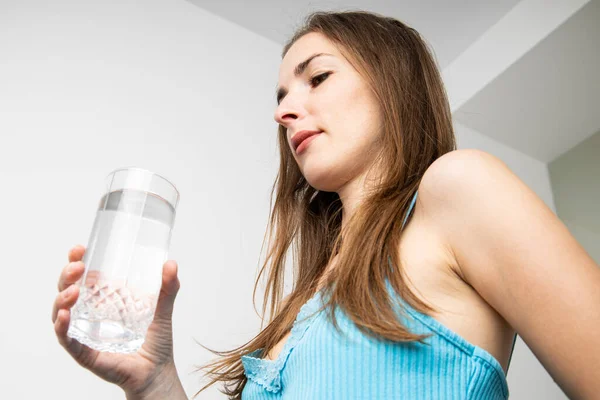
column 284, row 115
column 291, row 107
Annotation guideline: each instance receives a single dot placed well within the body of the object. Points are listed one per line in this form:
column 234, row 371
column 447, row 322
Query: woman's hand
column 135, row 373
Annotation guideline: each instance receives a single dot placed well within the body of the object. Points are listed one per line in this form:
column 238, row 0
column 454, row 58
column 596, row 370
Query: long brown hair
column 417, row 129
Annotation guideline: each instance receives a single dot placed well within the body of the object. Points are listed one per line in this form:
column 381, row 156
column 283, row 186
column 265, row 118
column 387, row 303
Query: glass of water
column 123, row 261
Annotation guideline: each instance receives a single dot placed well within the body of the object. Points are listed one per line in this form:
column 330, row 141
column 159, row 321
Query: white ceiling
column 542, row 102
column 549, row 100
column 449, row 26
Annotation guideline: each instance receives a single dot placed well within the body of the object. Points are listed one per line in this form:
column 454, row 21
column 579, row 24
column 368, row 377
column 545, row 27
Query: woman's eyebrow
column 300, row 68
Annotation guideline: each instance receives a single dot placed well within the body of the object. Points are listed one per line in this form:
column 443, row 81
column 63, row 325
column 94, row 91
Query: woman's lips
column 304, row 144
column 299, row 136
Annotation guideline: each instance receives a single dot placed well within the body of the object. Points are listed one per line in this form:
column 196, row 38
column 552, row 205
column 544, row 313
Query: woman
column 384, row 308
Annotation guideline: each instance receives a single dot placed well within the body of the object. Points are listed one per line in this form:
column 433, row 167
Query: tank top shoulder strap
column 410, row 208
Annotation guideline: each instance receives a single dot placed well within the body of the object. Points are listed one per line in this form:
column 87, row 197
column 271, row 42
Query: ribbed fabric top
column 318, row 363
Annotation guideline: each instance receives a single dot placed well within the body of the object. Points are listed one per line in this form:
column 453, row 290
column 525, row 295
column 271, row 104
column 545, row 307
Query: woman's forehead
column 304, row 49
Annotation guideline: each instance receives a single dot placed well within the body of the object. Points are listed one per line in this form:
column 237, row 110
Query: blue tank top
column 317, row 362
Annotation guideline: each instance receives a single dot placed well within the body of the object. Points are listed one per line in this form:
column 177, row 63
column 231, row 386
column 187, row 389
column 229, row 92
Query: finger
column 84, row 355
column 168, row 292
column 76, row 253
column 70, row 274
column 61, row 327
column 170, row 281
column 65, row 300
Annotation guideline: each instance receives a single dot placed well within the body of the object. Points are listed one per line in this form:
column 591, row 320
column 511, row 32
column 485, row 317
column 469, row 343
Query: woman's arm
column 514, row 251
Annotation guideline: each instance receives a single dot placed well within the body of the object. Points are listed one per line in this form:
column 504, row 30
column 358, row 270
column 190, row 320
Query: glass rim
column 144, row 170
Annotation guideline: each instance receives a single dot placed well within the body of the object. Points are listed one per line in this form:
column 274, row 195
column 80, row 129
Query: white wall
column 576, row 190
column 86, row 87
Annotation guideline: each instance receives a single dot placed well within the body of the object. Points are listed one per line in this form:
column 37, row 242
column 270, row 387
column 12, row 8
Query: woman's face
column 338, row 103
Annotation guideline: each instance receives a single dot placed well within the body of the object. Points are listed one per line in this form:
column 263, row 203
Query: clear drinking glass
column 123, row 261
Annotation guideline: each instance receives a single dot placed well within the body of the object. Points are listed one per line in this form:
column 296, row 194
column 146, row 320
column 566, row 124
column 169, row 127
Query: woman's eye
column 315, row 81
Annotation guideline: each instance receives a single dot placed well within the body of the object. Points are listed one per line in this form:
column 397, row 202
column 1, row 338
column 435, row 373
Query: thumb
column 168, row 291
